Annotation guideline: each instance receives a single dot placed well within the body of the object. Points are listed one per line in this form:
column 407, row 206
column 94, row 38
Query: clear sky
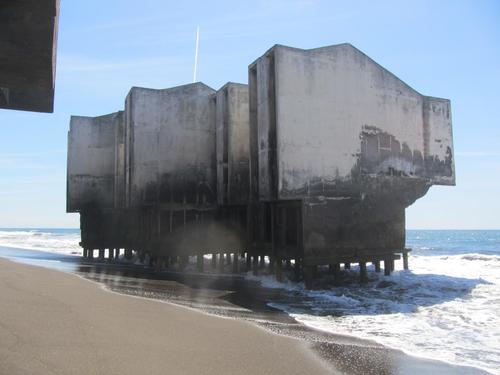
column 448, row 49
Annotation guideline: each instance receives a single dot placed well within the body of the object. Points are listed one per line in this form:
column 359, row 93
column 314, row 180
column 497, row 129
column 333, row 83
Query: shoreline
column 53, row 322
column 339, row 350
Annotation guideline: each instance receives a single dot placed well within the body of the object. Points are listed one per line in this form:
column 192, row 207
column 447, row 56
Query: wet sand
column 244, row 300
column 56, row 323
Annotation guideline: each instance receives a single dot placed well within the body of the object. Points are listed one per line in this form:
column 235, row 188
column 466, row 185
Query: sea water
column 447, row 307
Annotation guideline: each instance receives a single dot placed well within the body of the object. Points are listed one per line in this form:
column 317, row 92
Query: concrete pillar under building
column 236, row 263
column 387, row 266
column 199, row 262
column 255, row 265
column 363, row 273
column 405, row 260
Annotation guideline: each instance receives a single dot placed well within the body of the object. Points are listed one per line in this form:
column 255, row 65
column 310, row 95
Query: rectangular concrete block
column 330, row 119
column 170, row 146
column 233, row 144
column 92, row 162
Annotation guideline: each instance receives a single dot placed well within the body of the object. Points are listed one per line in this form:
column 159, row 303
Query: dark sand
column 55, row 323
column 226, row 296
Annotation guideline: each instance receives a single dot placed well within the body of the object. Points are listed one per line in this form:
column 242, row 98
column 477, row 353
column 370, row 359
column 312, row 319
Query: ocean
column 447, row 307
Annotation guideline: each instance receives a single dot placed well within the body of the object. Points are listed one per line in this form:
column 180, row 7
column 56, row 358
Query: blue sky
column 448, row 49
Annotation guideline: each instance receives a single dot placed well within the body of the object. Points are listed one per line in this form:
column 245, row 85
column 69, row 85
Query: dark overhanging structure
column 312, row 164
column 28, row 39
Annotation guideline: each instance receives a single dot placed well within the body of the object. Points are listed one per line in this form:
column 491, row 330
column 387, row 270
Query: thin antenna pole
column 196, row 52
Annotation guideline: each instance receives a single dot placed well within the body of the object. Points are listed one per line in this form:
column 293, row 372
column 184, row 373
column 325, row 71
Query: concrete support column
column 255, row 266
column 214, row 261
column 377, row 266
column 347, row 266
column 221, row 262
column 272, row 265
column 111, row 254
column 101, row 254
column 308, row 276
column 236, row 263
column 297, row 269
column 405, row 260
column 199, row 262
column 228, row 258
column 249, row 261
column 336, row 272
column 184, row 260
column 84, row 253
column 128, row 254
column 363, row 273
column 278, row 269
column 90, row 253
column 387, row 266
column 262, row 261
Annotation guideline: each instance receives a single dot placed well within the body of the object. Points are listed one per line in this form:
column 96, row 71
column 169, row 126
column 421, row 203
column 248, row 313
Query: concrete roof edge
column 95, row 117
column 232, row 84
column 174, row 88
column 340, row 45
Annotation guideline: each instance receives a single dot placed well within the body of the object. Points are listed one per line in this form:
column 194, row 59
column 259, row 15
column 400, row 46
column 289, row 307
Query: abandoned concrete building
column 311, row 164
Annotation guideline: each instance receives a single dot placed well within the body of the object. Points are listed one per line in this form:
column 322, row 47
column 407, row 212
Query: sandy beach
column 57, row 323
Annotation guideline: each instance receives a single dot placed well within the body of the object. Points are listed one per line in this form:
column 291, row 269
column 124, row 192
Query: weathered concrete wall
column 233, row 144
column 170, row 147
column 330, row 115
column 28, row 39
column 91, row 170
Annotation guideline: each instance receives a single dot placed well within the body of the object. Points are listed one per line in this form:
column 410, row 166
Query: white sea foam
column 447, row 308
column 62, row 242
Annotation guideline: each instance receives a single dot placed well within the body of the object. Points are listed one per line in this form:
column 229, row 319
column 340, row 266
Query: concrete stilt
column 221, row 262
column 262, row 261
column 278, row 269
column 308, row 276
column 255, row 266
column 347, row 266
column 111, row 253
column 228, row 258
column 199, row 262
column 158, row 263
column 272, row 265
column 128, row 254
column 288, row 264
column 249, row 262
column 363, row 274
column 101, row 254
column 297, row 270
column 214, row 261
column 377, row 266
column 184, row 260
column 236, row 263
column 336, row 272
column 84, row 253
column 405, row 260
column 90, row 253
column 387, row 266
